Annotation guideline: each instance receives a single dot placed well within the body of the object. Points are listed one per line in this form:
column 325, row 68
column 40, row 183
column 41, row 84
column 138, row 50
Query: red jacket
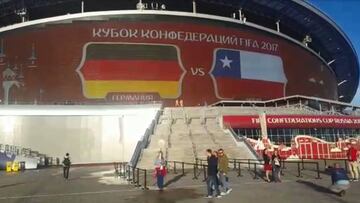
column 352, row 154
column 160, row 172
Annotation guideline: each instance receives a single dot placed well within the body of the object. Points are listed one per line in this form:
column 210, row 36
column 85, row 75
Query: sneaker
column 228, row 191
column 356, row 180
column 223, row 193
column 208, row 197
column 218, row 196
column 342, row 193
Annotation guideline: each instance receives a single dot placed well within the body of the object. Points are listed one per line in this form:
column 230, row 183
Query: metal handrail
column 144, row 142
column 243, row 139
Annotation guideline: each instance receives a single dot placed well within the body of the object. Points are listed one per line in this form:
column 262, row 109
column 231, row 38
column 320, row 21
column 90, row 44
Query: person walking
column 223, row 163
column 276, row 166
column 339, row 179
column 160, row 170
column 66, row 165
column 267, row 165
column 353, row 163
column 212, row 171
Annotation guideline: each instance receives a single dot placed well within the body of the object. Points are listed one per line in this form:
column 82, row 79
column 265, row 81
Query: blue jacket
column 338, row 174
column 212, row 165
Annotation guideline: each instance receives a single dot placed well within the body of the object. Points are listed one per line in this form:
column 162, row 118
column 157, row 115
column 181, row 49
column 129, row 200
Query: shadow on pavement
column 316, row 187
column 321, row 189
column 174, row 180
column 12, row 185
column 166, row 196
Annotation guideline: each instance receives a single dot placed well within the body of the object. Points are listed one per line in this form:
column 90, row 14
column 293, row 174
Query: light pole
column 342, row 82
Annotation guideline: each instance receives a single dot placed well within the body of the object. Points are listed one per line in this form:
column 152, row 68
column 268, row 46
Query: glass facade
column 283, row 135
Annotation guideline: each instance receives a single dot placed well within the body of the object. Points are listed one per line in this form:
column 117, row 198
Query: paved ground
column 98, row 184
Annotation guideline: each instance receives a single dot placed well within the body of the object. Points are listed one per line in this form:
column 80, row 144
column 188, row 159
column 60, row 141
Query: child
column 160, row 170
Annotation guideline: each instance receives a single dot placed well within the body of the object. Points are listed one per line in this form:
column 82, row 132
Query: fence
column 140, row 177
column 255, row 165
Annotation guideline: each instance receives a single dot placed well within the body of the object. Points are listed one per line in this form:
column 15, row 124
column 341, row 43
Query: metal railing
column 254, row 165
column 242, row 139
column 144, row 142
column 139, row 177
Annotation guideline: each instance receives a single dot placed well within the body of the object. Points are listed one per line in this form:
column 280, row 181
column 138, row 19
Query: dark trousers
column 276, row 173
column 212, row 181
column 66, row 172
column 160, row 181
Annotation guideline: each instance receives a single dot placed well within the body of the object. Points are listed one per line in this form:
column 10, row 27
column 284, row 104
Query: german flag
column 130, row 68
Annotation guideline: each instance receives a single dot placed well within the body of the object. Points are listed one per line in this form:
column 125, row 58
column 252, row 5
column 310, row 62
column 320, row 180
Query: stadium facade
column 164, row 51
column 240, row 53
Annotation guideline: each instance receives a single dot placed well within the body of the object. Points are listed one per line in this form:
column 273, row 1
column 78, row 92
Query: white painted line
column 127, row 190
column 67, row 194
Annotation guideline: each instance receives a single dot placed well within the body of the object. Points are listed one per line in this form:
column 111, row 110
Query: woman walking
column 267, row 165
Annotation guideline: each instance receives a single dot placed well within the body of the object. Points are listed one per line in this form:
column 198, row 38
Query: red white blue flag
column 247, row 72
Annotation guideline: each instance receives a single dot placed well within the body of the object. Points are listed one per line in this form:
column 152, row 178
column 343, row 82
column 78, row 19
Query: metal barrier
column 132, row 174
column 195, row 167
column 342, row 160
column 254, row 163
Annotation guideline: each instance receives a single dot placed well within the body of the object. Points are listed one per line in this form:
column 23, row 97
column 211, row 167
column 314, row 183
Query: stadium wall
column 135, row 57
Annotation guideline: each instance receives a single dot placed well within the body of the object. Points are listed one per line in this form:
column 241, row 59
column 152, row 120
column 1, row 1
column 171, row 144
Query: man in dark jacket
column 66, row 165
column 212, row 171
column 339, row 179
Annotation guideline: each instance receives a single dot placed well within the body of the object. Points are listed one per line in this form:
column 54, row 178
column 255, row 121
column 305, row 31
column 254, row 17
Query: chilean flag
column 237, row 73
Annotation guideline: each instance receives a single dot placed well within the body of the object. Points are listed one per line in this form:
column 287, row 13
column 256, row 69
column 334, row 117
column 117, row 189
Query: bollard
column 204, row 170
column 299, row 170
column 183, row 168
column 283, row 166
column 175, row 172
column 249, row 165
column 239, row 170
column 145, row 180
column 318, row 171
column 234, row 164
column 325, row 163
column 137, row 177
column 195, row 177
column 116, row 169
column 255, row 172
column 133, row 175
column 346, row 166
column 302, row 164
column 128, row 173
column 122, row 170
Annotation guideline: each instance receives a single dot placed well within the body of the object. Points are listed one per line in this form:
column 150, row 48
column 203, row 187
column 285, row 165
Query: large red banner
column 293, row 121
column 136, row 58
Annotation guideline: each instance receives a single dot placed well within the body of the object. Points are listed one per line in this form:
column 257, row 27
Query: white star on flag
column 226, row 62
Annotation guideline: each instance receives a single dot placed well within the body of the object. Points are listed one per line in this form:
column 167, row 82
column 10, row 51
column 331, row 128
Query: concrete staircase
column 184, row 134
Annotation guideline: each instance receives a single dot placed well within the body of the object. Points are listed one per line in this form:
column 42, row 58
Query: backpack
column 66, row 161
